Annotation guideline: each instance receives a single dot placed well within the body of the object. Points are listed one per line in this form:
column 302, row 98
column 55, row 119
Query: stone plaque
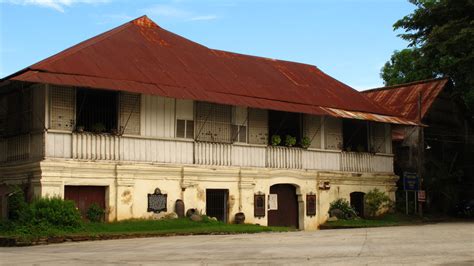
column 259, row 205
column 157, row 202
column 310, row 205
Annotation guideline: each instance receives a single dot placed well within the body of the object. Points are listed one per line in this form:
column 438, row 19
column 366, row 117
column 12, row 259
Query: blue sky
column 348, row 39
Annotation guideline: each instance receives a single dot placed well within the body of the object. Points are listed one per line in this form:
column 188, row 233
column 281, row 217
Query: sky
column 348, row 39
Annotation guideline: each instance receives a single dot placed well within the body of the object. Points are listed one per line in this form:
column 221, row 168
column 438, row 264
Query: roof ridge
column 405, row 84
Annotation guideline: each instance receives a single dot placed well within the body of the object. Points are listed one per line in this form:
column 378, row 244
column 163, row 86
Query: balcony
column 87, row 146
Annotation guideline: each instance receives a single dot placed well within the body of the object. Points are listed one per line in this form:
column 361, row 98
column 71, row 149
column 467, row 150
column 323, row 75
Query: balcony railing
column 88, row 146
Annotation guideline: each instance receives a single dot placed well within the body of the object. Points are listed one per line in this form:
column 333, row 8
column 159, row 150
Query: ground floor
column 450, row 243
column 278, row 197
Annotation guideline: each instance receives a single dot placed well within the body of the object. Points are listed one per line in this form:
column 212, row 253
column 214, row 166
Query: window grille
column 184, row 128
column 258, row 126
column 130, row 113
column 62, row 108
column 213, row 122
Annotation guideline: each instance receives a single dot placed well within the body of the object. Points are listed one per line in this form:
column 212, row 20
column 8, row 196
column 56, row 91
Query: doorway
column 286, row 213
column 85, row 196
column 216, row 204
column 357, row 202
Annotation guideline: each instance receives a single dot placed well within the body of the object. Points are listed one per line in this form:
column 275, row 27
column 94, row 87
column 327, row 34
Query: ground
column 444, row 243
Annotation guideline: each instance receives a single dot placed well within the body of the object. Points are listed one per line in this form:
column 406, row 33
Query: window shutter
column 333, row 131
column 180, row 128
column 312, row 130
column 258, row 126
column 377, row 133
column 213, row 122
column 130, row 113
column 62, row 108
column 189, row 129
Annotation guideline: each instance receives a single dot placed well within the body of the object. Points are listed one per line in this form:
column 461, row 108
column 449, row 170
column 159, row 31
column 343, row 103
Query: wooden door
column 85, row 196
column 287, row 212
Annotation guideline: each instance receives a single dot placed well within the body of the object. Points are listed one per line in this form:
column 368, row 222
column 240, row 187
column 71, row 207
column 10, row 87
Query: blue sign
column 410, row 181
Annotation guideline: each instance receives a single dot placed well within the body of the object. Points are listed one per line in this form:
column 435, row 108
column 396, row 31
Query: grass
column 135, row 227
column 386, row 220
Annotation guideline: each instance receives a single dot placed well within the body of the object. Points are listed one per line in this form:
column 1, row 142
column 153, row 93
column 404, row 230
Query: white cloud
column 169, row 11
column 208, row 17
column 58, row 5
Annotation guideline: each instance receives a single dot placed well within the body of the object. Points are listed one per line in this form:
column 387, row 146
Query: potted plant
column 276, row 140
column 305, row 142
column 98, row 128
column 290, row 141
column 80, row 129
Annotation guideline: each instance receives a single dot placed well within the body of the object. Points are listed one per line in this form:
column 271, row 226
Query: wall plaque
column 157, row 202
column 259, row 205
column 310, row 204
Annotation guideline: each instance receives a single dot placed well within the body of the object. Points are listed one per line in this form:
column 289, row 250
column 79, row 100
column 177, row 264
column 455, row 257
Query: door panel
column 287, row 212
column 85, row 196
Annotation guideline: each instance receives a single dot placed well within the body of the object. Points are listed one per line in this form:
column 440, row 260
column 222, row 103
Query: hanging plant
column 290, row 141
column 305, row 142
column 276, row 140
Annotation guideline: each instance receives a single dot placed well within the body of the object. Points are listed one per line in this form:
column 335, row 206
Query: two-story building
column 138, row 108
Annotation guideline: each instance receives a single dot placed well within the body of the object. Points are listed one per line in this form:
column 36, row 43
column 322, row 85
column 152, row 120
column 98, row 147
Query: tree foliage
column 441, row 40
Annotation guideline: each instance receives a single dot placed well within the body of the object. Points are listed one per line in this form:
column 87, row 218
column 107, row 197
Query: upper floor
column 46, row 121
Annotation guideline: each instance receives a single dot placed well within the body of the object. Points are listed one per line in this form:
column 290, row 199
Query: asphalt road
column 449, row 243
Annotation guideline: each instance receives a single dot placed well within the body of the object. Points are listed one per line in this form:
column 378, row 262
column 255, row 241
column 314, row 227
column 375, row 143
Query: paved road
column 450, row 243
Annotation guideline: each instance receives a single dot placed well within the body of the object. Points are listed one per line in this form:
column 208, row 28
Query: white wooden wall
column 158, row 116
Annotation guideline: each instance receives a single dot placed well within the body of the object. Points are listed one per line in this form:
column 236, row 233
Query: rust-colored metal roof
column 141, row 57
column 403, row 99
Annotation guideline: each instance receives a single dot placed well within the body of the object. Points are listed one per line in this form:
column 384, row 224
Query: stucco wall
column 129, row 183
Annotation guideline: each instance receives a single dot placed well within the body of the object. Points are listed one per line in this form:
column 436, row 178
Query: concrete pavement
column 448, row 243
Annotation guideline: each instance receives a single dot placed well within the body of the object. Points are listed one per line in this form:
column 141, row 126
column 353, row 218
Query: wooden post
column 421, row 147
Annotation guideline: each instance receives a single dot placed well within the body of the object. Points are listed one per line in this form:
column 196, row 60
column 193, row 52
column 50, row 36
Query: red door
column 85, row 196
column 287, row 212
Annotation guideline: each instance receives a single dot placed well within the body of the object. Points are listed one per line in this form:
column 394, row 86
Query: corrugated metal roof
column 403, row 99
column 141, row 57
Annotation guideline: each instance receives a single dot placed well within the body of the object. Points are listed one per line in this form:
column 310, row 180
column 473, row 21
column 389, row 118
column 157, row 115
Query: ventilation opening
column 216, row 203
column 97, row 111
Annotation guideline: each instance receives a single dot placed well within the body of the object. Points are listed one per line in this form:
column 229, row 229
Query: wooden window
column 62, row 108
column 312, row 130
column 130, row 113
column 333, row 132
column 258, row 126
column 310, row 205
column 184, row 129
column 377, row 137
column 239, row 124
column 213, row 122
column 259, row 205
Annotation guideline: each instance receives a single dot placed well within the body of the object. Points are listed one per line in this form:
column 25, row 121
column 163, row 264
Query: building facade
column 116, row 135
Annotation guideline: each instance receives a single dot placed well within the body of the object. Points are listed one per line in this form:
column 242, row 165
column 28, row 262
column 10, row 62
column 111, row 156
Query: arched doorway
column 286, row 213
column 357, row 202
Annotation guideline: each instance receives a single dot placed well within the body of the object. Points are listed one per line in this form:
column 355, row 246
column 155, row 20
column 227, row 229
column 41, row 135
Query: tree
column 441, row 38
column 405, row 66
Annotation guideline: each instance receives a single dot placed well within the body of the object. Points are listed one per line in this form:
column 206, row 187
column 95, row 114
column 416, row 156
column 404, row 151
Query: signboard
column 157, row 201
column 310, row 205
column 272, row 202
column 421, row 196
column 410, row 181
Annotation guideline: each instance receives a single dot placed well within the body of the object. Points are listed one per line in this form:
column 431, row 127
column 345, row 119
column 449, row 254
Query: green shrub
column 276, row 140
column 290, row 141
column 344, row 206
column 305, row 142
column 376, row 200
column 95, row 213
column 16, row 204
column 53, row 211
